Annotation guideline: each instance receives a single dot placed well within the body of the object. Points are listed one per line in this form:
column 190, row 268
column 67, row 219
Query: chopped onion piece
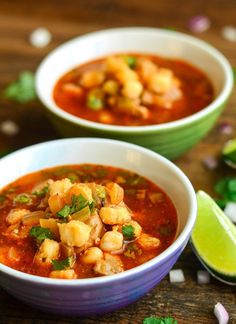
column 229, row 33
column 40, row 37
column 225, row 128
column 9, row 128
column 230, row 211
column 210, row 162
column 176, row 276
column 199, row 24
column 221, row 314
column 203, row 277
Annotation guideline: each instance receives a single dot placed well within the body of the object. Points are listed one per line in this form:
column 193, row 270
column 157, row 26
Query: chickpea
column 114, row 215
column 59, row 187
column 16, row 215
column 110, row 87
column 160, row 82
column 132, row 89
column 111, row 241
column 92, row 255
column 92, row 79
column 126, row 75
column 148, row 242
column 111, row 264
column 106, row 117
column 74, row 233
column 63, row 274
column 146, row 67
column 116, row 193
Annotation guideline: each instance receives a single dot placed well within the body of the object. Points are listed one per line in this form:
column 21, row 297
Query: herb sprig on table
column 23, row 89
column 226, row 188
column 159, row 320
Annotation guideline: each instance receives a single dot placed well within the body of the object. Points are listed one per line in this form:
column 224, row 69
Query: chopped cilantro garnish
column 41, row 193
column 23, row 89
column 73, row 177
column 128, row 232
column 226, row 188
column 40, row 233
column 64, row 212
column 22, row 199
column 131, row 61
column 159, row 320
column 101, row 192
column 130, row 192
column 2, row 198
column 94, row 102
column 100, row 173
column 78, row 203
column 135, row 180
column 62, row 264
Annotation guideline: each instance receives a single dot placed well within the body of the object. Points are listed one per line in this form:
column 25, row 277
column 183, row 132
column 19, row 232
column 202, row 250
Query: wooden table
column 188, row 302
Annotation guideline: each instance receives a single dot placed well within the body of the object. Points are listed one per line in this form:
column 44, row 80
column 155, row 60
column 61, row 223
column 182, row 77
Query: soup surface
column 83, row 221
column 133, row 90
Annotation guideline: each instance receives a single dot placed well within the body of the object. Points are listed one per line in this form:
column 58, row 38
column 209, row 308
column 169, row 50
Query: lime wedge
column 214, row 237
column 229, row 152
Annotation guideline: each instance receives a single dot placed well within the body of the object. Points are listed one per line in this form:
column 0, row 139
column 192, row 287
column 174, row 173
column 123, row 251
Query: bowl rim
column 119, row 129
column 84, row 282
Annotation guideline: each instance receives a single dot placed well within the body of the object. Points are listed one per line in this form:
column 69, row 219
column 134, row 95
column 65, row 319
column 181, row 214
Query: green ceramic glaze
column 170, row 139
column 171, row 142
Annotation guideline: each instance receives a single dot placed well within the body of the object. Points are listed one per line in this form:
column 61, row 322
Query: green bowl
column 169, row 139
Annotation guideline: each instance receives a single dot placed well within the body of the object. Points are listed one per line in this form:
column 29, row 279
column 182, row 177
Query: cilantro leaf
column 64, row 212
column 22, row 199
column 131, row 61
column 77, row 203
column 128, row 232
column 40, row 233
column 226, row 188
column 159, row 320
column 23, row 89
column 62, row 264
column 41, row 193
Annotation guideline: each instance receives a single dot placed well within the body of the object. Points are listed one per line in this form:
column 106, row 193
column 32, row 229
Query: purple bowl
column 105, row 294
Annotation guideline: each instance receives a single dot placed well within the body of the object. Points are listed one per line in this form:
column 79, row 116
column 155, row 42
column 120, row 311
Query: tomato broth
column 133, row 211
column 141, row 90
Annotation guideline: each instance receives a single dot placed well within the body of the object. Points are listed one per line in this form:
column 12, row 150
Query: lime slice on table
column 214, row 238
column 229, row 153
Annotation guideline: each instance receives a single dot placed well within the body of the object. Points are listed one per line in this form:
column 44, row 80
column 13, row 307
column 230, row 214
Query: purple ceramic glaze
column 99, row 295
column 104, row 298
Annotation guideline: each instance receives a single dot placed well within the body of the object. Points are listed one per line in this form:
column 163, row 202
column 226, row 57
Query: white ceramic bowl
column 102, row 294
column 169, row 139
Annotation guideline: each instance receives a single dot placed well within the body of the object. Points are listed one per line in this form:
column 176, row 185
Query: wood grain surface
column 188, row 302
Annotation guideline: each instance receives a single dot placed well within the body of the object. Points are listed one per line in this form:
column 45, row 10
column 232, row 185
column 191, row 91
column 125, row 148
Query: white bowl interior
column 141, row 40
column 107, row 152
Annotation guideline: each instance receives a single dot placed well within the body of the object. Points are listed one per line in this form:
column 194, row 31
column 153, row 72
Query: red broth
column 196, row 92
column 150, row 207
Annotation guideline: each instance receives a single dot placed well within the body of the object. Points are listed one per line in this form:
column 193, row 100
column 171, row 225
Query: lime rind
column 214, row 237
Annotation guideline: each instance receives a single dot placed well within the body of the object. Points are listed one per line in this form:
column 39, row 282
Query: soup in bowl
column 157, row 88
column 81, row 226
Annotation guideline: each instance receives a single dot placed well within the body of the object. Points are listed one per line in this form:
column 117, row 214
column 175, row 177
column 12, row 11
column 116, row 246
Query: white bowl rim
column 128, row 273
column 202, row 45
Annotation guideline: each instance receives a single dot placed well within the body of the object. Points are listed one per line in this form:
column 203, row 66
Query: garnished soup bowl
column 108, row 293
column 170, row 139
